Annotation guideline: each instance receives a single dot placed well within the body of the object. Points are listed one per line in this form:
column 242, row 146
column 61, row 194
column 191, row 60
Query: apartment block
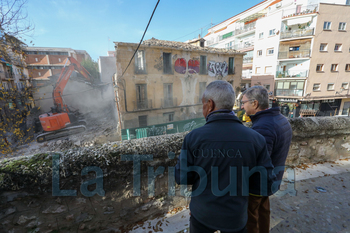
column 43, row 62
column 165, row 81
column 300, row 53
column 15, row 92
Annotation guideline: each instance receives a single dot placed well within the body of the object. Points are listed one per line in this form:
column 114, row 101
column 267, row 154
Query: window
column 231, row 65
column 337, row 47
column 342, row 26
column 36, row 59
column 39, row 73
column 203, row 65
column 141, row 96
column 290, row 88
column 295, row 48
column 268, row 69
column 323, row 47
column 167, row 63
column 258, row 70
column 168, row 95
column 334, row 67
column 267, row 86
column 168, row 116
column 202, row 86
column 298, row 9
column 345, row 86
column 272, row 32
column 143, row 121
column 6, row 86
column 270, row 51
column 347, row 67
column 261, row 35
column 319, row 67
column 140, row 67
column 327, row 25
column 346, row 107
column 330, row 87
column 317, row 87
column 59, row 59
column 259, row 53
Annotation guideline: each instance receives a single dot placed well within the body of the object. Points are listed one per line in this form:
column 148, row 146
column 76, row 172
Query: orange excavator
column 62, row 121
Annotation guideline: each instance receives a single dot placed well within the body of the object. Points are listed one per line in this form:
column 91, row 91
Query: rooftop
column 183, row 46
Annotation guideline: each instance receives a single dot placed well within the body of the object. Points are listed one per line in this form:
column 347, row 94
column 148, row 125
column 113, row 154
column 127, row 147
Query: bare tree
column 14, row 20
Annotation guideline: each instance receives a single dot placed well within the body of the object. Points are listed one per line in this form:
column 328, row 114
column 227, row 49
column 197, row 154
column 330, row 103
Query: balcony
column 289, row 92
column 227, row 35
column 169, row 102
column 304, row 10
column 142, row 105
column 247, row 60
column 244, row 45
column 246, row 28
column 294, row 54
column 292, row 74
column 297, row 33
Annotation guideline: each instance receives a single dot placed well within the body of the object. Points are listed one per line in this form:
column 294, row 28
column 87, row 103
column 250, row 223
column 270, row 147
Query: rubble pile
column 99, row 130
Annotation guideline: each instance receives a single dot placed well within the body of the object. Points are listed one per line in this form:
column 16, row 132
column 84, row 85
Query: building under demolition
column 160, row 92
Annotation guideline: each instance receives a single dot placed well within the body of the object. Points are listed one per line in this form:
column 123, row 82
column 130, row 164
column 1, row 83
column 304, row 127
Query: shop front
column 327, row 107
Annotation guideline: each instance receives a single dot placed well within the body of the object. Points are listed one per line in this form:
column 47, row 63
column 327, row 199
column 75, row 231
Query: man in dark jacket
column 271, row 124
column 217, row 160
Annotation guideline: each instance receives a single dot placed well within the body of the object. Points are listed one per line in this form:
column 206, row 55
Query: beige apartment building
column 165, row 80
column 329, row 77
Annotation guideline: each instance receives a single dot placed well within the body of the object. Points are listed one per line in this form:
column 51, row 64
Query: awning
column 301, row 20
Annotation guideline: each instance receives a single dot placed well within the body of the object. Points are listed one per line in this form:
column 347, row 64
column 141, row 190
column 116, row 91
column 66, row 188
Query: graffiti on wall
column 181, row 66
column 217, row 69
column 155, row 131
column 193, row 66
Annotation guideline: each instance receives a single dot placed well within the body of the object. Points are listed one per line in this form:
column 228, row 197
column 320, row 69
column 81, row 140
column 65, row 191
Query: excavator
column 62, row 121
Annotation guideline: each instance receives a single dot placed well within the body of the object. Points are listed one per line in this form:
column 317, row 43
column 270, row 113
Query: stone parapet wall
column 29, row 201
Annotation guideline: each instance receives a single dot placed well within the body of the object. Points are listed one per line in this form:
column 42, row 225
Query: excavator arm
column 61, row 122
column 62, row 82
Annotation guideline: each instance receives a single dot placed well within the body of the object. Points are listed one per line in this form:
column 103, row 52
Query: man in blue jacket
column 217, row 160
column 275, row 128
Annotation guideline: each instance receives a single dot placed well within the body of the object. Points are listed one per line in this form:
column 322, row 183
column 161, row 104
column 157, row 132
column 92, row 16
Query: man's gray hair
column 221, row 93
column 260, row 94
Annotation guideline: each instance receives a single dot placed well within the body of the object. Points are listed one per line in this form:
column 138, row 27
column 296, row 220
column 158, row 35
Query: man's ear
column 211, row 105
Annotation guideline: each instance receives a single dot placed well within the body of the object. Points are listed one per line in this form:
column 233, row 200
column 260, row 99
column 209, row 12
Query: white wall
column 272, row 21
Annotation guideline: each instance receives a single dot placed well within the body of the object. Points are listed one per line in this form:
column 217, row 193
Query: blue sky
column 87, row 24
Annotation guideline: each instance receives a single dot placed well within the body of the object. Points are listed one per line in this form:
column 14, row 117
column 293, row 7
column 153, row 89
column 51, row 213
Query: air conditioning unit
column 279, row 4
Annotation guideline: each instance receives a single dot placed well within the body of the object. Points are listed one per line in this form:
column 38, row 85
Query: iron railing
column 247, row 60
column 287, row 92
column 297, row 33
column 143, row 104
column 294, row 54
column 246, row 28
column 300, row 11
column 292, row 74
column 169, row 102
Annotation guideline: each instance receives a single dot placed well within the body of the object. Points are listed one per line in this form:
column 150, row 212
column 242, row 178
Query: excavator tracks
column 60, row 133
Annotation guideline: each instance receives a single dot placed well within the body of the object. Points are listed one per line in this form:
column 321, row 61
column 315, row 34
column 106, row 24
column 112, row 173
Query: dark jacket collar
column 268, row 112
column 222, row 114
